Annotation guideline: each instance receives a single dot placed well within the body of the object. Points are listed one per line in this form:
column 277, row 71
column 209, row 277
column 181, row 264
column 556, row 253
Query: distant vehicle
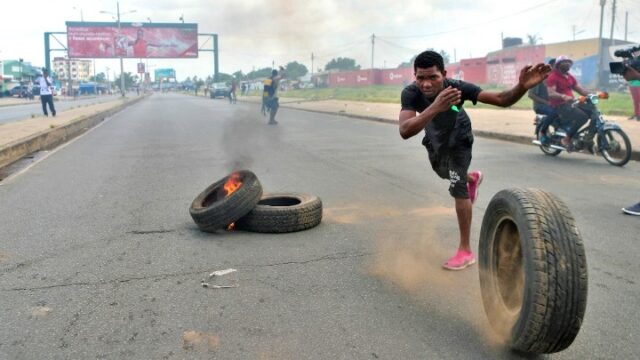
column 19, row 91
column 218, row 90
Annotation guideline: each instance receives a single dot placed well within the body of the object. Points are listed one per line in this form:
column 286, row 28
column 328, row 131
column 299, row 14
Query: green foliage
column 129, row 80
column 295, row 70
column 260, row 73
column 342, row 64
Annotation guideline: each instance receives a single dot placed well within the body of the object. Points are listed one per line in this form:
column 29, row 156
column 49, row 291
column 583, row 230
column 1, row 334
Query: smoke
column 245, row 135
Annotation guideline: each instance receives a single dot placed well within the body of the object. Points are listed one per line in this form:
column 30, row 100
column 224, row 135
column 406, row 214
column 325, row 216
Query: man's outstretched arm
column 530, row 76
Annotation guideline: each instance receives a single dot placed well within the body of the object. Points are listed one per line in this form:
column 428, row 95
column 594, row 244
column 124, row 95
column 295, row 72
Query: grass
column 617, row 104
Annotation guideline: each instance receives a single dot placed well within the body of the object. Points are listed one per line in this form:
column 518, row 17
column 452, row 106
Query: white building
column 79, row 70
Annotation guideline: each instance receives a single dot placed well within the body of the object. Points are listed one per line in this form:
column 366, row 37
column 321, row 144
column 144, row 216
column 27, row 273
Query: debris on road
column 41, row 311
column 210, row 286
column 222, row 272
column 205, row 284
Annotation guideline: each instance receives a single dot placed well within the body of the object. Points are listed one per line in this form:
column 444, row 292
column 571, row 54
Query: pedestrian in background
column 46, row 92
column 630, row 75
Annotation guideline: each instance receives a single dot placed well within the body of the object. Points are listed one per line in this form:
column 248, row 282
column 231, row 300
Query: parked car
column 218, row 90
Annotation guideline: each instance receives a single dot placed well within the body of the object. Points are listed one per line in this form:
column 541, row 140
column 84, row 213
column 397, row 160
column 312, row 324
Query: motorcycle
column 611, row 141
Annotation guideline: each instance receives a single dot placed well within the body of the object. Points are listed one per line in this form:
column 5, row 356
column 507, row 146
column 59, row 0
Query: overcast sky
column 253, row 33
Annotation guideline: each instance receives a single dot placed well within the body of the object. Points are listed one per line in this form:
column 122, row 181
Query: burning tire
column 533, row 270
column 283, row 213
column 226, row 201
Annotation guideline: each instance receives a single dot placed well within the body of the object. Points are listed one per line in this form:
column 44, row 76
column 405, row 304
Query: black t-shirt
column 541, row 91
column 447, row 128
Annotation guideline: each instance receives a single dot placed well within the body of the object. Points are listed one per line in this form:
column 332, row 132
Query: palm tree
column 533, row 39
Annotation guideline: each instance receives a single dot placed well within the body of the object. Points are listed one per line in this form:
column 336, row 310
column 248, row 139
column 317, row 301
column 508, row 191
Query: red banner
column 132, row 40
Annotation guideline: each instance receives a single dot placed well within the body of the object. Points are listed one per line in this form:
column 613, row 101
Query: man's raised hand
column 531, row 76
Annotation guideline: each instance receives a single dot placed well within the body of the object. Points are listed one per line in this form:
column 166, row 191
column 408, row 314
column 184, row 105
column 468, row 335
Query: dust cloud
column 199, row 341
column 413, row 264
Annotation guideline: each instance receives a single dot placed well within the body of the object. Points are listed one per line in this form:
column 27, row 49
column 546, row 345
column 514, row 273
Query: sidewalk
column 13, row 101
column 21, row 138
column 504, row 124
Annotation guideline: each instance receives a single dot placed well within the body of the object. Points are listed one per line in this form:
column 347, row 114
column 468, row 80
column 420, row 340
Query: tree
column 238, row 75
column 100, row 78
column 533, row 39
column 342, row 64
column 295, row 70
column 445, row 56
column 129, row 80
column 260, row 73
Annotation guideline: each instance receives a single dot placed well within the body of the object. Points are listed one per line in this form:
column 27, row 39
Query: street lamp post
column 121, row 62
column 21, row 60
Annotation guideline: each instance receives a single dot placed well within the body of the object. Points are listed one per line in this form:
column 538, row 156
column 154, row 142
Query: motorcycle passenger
column 540, row 97
column 560, row 86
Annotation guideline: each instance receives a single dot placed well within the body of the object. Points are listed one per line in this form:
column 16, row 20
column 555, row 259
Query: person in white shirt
column 46, row 96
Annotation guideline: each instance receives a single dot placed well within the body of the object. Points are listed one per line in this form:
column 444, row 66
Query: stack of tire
column 251, row 210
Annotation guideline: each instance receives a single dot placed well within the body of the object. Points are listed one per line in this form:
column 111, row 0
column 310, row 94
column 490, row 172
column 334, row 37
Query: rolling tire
column 212, row 211
column 283, row 213
column 533, row 270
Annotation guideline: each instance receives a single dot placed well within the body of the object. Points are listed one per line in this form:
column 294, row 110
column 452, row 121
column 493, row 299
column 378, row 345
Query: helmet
column 562, row 58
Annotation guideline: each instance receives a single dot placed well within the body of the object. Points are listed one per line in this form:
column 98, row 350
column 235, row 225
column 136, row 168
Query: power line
column 474, row 25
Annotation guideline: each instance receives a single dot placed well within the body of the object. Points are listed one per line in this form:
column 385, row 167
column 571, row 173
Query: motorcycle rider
column 540, row 97
column 560, row 86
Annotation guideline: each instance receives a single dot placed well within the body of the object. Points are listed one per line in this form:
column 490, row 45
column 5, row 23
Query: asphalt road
column 99, row 257
column 25, row 111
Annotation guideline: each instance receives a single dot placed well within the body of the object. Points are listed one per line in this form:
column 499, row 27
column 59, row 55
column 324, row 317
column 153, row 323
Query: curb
column 520, row 139
column 49, row 139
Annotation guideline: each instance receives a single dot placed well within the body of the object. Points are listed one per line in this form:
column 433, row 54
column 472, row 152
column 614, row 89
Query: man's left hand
column 531, row 76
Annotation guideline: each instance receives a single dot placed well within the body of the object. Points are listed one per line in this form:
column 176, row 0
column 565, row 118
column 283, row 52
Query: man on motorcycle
column 560, row 86
column 540, row 97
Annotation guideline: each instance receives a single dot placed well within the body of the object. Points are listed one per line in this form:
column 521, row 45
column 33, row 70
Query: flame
column 233, row 183
column 603, row 95
column 231, row 226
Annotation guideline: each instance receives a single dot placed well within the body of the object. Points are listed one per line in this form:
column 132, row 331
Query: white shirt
column 44, row 89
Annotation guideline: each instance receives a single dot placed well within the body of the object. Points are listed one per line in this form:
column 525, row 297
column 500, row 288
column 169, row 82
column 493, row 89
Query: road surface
column 99, row 257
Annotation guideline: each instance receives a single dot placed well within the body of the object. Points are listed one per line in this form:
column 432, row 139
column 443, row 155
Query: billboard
column 164, row 74
column 132, row 40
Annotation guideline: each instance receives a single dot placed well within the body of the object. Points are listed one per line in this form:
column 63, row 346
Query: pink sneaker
column 474, row 185
column 460, row 260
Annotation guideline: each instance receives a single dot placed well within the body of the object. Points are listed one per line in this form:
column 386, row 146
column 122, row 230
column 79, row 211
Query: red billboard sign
column 132, row 40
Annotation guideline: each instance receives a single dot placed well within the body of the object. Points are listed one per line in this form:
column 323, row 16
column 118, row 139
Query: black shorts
column 453, row 165
column 272, row 103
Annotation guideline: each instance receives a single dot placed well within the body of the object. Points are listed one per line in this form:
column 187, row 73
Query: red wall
column 401, row 76
column 503, row 67
column 354, row 78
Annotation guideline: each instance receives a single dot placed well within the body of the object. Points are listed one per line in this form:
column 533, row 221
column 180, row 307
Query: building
column 75, row 70
column 14, row 72
column 502, row 67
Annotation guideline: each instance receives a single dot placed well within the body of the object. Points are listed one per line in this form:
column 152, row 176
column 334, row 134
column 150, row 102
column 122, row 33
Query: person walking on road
column 633, row 77
column 46, row 94
column 433, row 104
column 271, row 90
column 630, row 75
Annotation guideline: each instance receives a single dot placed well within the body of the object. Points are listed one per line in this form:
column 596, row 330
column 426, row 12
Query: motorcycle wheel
column 547, row 149
column 618, row 152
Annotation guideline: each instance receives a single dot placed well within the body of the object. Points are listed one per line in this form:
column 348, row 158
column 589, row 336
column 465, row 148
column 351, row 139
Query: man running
column 433, row 103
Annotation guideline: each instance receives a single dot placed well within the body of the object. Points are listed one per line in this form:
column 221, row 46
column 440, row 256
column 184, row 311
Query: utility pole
column 626, row 25
column 373, row 43
column 613, row 20
column 600, row 64
column 121, row 62
column 311, row 64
